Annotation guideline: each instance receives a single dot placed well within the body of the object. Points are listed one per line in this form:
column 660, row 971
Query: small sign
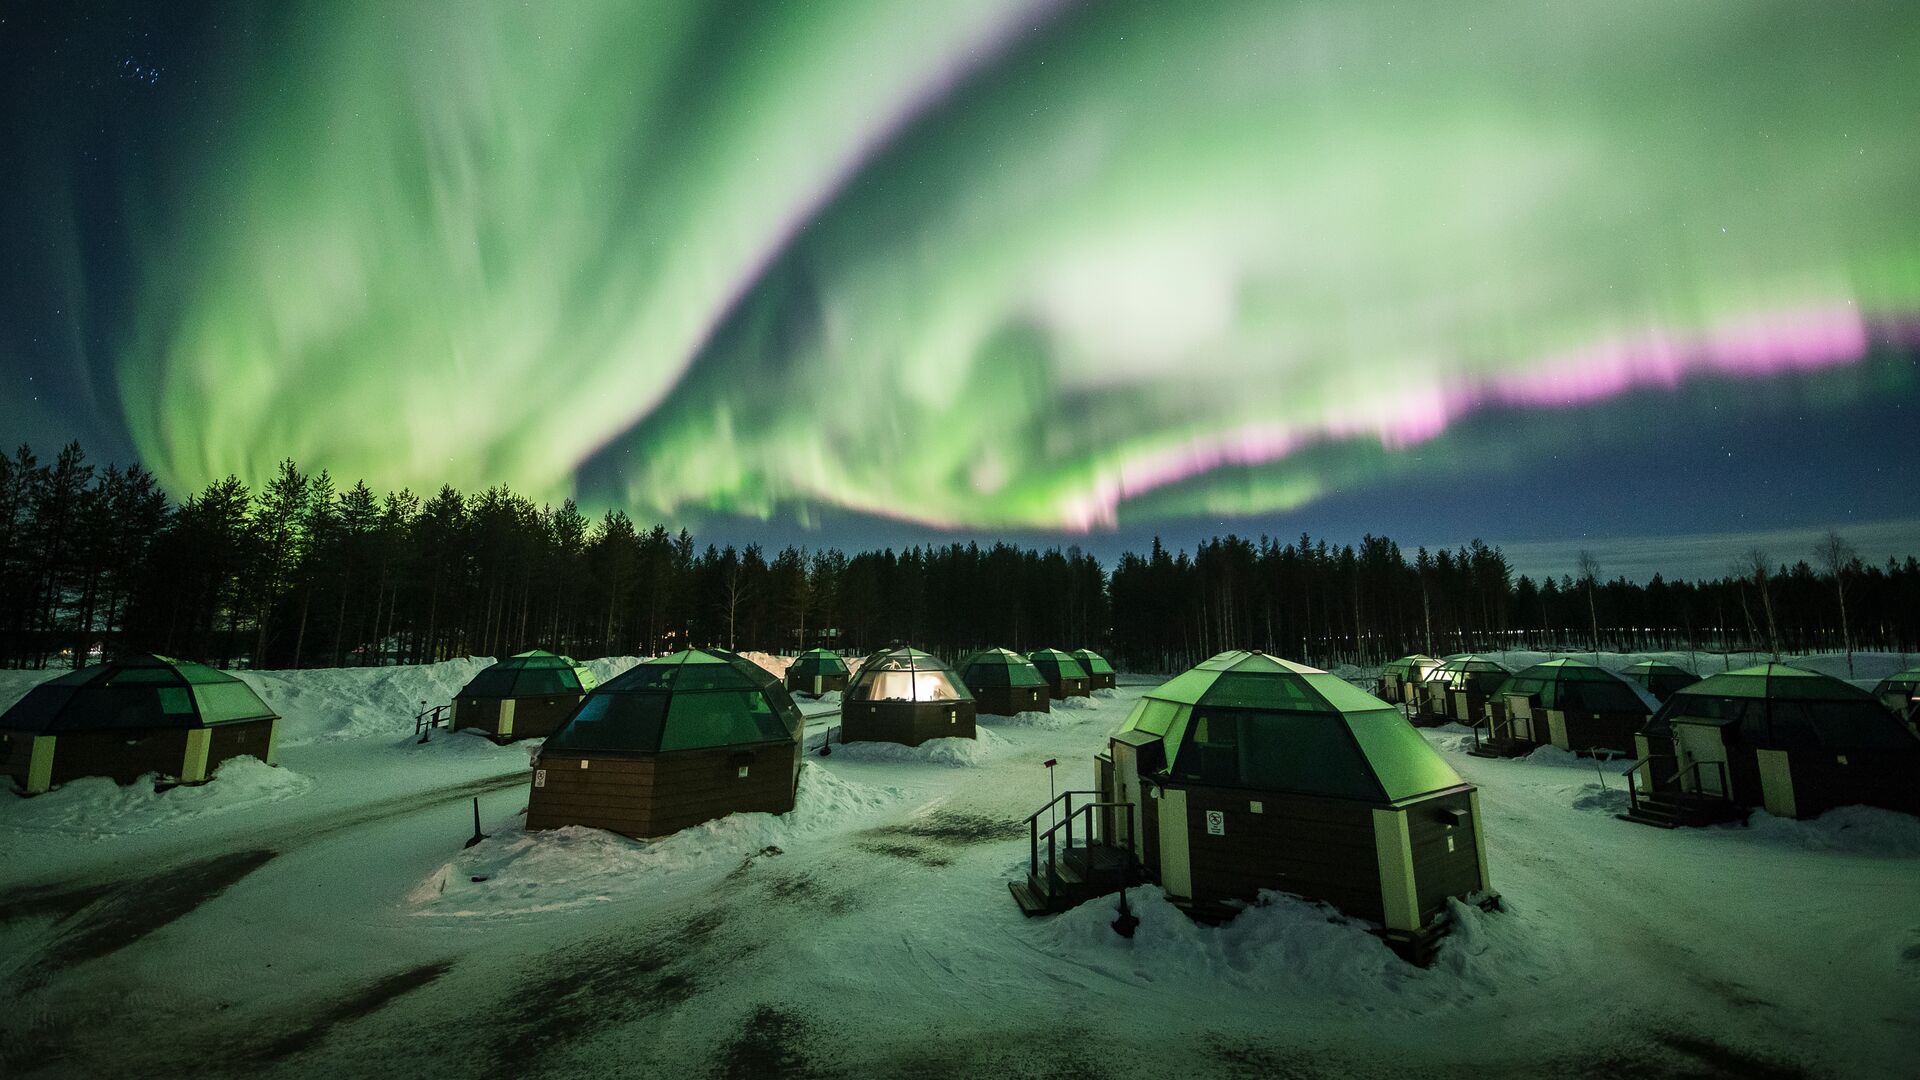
column 539, row 778
column 1216, row 823
column 743, row 770
column 1256, row 808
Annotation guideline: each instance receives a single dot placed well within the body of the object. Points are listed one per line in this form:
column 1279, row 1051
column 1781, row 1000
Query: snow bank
column 525, row 873
column 15, row 682
column 327, row 704
column 776, row 664
column 1856, row 830
column 1054, row 720
column 96, row 808
column 1593, row 798
column 983, row 747
column 1285, row 949
column 607, row 668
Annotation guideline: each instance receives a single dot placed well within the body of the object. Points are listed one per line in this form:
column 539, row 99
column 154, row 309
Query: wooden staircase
column 1676, row 809
column 1499, row 741
column 1074, row 859
column 1685, row 799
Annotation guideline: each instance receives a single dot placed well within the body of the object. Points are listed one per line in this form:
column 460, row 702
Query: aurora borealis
column 994, row 265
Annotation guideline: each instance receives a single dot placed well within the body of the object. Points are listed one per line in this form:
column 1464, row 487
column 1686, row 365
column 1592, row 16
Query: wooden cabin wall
column 16, row 754
column 1609, row 731
column 533, row 717
column 227, row 741
column 1439, row 873
column 1319, row 848
column 803, row 684
column 1743, row 773
column 1821, row 783
column 123, row 755
column 657, row 794
column 1008, row 700
column 482, row 713
column 909, row 723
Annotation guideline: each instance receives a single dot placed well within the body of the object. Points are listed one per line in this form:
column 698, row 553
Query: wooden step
column 1030, row 904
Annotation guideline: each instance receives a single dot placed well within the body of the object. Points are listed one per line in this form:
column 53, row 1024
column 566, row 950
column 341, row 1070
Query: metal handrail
column 1633, row 788
column 1052, row 835
column 429, row 717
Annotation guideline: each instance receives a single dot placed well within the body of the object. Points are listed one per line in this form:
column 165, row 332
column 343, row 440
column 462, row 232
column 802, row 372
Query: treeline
column 1369, row 603
column 304, row 572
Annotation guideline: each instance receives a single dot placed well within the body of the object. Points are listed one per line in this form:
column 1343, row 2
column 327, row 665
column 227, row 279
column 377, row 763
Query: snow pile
column 15, row 682
column 1072, row 704
column 328, row 704
column 1054, row 720
column 607, row 668
column 1856, row 830
column 964, row 753
column 776, row 664
column 96, row 808
column 1284, row 948
column 1609, row 800
column 517, row 872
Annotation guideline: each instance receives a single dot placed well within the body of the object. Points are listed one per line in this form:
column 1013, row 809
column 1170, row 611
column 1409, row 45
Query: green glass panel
column 1177, row 730
column 145, row 676
column 1187, row 686
column 1155, row 717
column 494, row 682
column 1402, row 760
column 1343, row 695
column 1236, row 689
column 200, row 673
column 545, row 682
column 629, row 722
column 176, row 701
column 714, row 718
column 226, row 702
column 41, row 706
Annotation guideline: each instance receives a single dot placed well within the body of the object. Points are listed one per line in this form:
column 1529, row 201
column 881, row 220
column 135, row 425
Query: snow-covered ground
column 323, row 918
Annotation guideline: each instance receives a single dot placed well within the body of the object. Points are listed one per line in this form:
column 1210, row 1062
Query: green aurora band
column 1005, row 264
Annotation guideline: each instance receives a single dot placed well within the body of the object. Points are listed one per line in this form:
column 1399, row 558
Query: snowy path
column 880, row 939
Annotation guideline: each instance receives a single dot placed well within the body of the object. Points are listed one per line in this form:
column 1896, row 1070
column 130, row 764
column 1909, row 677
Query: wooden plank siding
column 803, row 684
column 1106, row 680
column 1439, row 873
column 656, row 794
column 533, row 717
column 1587, row 731
column 1323, row 849
column 1066, row 687
column 125, row 756
column 907, row 722
column 1008, row 700
column 252, row 738
column 1821, row 783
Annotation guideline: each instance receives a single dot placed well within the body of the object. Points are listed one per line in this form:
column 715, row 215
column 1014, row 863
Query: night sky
column 1642, row 277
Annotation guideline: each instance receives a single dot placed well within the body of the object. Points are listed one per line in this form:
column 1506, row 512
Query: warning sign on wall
column 1216, row 823
column 539, row 778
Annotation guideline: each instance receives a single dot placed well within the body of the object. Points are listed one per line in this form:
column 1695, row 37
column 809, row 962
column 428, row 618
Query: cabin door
column 1702, row 759
column 1126, row 789
column 1520, row 718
